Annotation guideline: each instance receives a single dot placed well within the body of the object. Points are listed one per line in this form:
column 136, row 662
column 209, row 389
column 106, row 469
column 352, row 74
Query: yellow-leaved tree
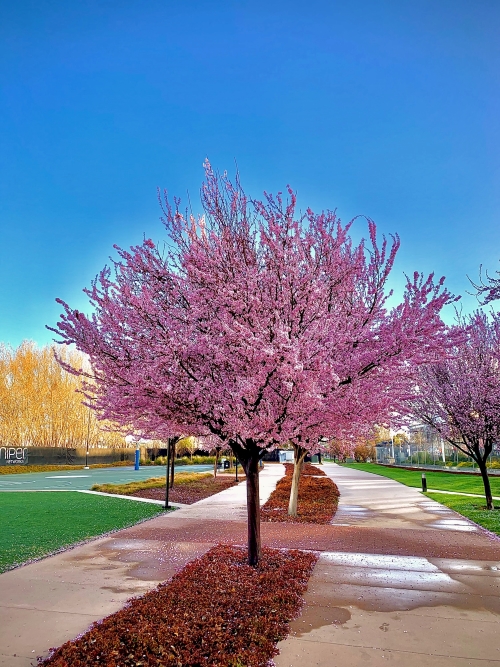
column 40, row 404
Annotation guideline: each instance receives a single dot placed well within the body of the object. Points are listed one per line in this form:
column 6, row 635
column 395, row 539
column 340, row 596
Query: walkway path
column 369, row 605
column 401, row 579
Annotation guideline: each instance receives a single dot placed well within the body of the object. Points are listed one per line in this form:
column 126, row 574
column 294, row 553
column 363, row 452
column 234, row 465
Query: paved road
column 82, row 480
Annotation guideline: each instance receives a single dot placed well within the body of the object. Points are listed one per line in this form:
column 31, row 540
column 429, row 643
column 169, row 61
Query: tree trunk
column 167, row 476
column 253, row 509
column 216, row 460
column 486, row 481
column 249, row 456
column 298, row 464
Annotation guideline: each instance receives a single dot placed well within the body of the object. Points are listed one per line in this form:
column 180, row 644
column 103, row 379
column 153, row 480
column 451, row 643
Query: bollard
column 424, row 483
column 137, row 458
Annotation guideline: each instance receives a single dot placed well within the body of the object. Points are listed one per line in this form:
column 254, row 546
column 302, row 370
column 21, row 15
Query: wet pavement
column 400, row 579
column 413, row 585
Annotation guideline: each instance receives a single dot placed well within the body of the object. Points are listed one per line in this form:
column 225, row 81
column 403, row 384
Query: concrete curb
column 460, row 493
column 140, row 500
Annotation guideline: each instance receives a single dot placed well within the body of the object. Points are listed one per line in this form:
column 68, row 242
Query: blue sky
column 383, row 108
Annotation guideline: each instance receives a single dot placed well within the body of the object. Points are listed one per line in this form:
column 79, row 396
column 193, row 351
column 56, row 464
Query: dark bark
column 249, row 457
column 253, row 509
column 486, row 481
column 167, row 475
column 480, row 456
column 172, row 461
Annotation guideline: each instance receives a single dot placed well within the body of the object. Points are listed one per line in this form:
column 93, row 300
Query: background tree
column 187, row 446
column 365, row 451
column 459, row 397
column 212, row 445
column 41, row 404
column 340, row 449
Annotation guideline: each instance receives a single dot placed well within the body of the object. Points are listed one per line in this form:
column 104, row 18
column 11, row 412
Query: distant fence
column 62, row 456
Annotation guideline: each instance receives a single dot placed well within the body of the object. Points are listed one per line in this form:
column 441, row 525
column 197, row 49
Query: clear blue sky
column 384, row 108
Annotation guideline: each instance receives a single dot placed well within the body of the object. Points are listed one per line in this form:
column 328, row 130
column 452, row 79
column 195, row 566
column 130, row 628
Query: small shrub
column 185, row 460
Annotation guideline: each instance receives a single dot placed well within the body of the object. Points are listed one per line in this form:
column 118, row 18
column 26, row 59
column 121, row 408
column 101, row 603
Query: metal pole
column 167, row 475
column 424, row 483
column 172, row 462
column 87, row 448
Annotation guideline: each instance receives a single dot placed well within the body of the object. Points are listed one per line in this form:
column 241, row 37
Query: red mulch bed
column 308, row 469
column 189, row 493
column 217, row 612
column 317, row 503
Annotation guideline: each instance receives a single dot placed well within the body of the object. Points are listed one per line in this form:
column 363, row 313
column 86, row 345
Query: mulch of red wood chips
column 317, row 503
column 217, row 612
column 189, row 493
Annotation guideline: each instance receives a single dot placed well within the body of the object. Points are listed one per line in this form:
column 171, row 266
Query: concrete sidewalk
column 372, row 609
column 400, row 578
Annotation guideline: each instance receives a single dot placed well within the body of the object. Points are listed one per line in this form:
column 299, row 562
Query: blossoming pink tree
column 488, row 287
column 459, row 397
column 253, row 326
column 368, row 370
column 211, row 443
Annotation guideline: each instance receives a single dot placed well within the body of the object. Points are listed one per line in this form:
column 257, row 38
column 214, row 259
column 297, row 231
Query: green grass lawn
column 38, row 523
column 472, row 508
column 435, row 480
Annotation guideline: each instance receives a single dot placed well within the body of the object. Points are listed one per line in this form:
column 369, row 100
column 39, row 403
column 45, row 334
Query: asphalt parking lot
column 82, row 480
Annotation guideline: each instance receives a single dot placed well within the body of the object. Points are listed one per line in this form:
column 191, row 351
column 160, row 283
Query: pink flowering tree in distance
column 368, row 369
column 212, row 443
column 253, row 325
column 459, row 396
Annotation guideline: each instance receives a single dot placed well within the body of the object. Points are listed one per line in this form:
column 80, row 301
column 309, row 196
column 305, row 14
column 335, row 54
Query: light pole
column 167, row 475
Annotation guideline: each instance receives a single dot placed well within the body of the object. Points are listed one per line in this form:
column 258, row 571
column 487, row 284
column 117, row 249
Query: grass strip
column 217, row 611
column 435, row 480
column 181, row 478
column 317, row 502
column 33, row 525
column 472, row 508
